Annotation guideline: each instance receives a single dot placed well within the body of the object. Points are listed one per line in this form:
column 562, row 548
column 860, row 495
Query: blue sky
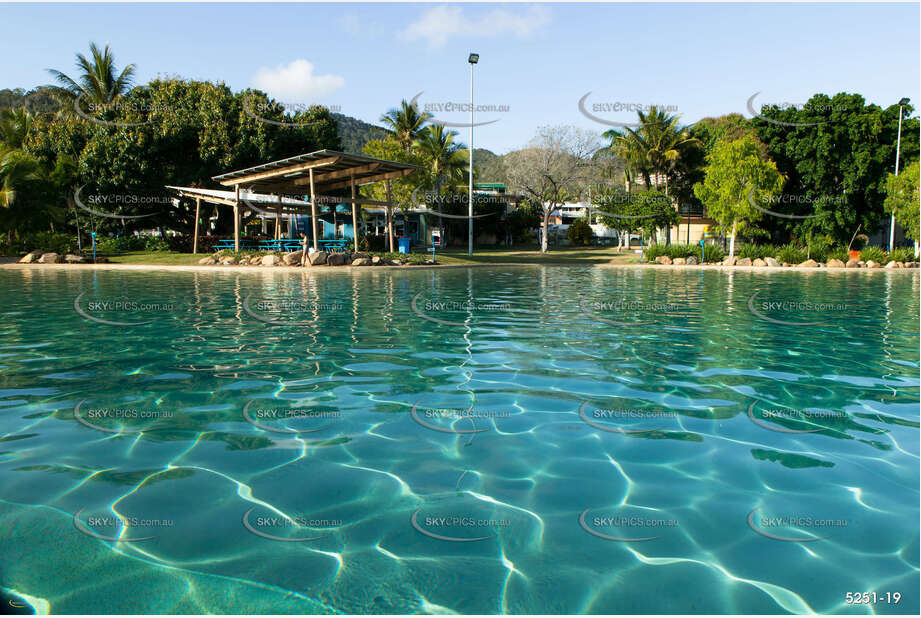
column 537, row 59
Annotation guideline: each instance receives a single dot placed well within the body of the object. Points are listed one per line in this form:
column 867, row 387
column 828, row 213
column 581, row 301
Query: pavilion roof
column 332, row 170
column 260, row 200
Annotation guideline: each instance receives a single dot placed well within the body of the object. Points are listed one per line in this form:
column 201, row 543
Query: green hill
column 38, row 101
column 355, row 133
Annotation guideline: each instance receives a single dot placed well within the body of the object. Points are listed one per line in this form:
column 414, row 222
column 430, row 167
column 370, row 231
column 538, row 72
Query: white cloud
column 296, row 82
column 359, row 27
column 440, row 23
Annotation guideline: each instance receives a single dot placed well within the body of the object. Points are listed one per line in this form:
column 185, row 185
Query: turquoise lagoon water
column 534, row 439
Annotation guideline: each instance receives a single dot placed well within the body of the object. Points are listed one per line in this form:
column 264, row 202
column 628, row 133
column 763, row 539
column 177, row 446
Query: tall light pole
column 898, row 145
column 472, row 59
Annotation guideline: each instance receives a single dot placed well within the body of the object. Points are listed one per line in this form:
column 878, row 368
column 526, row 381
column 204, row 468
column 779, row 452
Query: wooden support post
column 389, row 217
column 278, row 220
column 236, row 218
column 354, row 214
column 313, row 213
column 195, row 238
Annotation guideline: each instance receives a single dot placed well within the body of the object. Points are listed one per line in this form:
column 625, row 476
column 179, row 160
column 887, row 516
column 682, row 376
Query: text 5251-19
column 866, row 598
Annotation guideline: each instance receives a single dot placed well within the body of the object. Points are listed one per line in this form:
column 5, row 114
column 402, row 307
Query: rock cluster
column 50, row 257
column 771, row 262
column 315, row 258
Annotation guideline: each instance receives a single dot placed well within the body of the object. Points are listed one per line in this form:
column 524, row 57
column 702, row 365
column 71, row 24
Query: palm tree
column 15, row 126
column 654, row 147
column 444, row 157
column 97, row 81
column 17, row 168
column 405, row 124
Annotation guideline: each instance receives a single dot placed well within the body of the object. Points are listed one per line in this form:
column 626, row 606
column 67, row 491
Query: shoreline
column 236, row 268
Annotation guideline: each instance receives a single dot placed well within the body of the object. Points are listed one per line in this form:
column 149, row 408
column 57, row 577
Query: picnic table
column 334, row 246
column 282, row 245
column 227, row 244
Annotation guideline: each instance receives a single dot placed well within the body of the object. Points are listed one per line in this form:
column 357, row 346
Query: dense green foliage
column 790, row 254
column 182, row 133
column 753, row 251
column 579, row 233
column 39, row 241
column 903, row 200
column 645, row 211
column 835, row 153
column 902, row 254
column 838, row 253
column 739, row 181
column 873, row 253
column 712, row 253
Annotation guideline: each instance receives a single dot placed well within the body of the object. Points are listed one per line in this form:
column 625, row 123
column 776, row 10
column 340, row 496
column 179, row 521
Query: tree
column 903, row 201
column 175, row 132
column 738, row 178
column 401, row 190
column 836, row 154
column 97, row 81
column 654, row 148
column 445, row 160
column 580, row 233
column 631, row 212
column 552, row 168
column 18, row 170
column 62, row 181
column 660, row 151
column 15, row 127
column 405, row 124
column 728, row 128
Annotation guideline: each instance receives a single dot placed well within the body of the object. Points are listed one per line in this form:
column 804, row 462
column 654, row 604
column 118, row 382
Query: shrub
column 579, row 233
column 682, row 251
column 48, row 242
column 902, row 254
column 155, row 243
column 651, row 252
column 838, row 253
column 713, row 253
column 133, row 243
column 748, row 250
column 819, row 254
column 819, row 247
column 790, row 254
column 873, row 253
column 182, row 243
column 105, row 245
column 121, row 244
column 754, row 251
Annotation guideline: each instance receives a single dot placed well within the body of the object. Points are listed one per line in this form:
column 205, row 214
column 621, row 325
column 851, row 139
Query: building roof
column 262, row 201
column 332, row 170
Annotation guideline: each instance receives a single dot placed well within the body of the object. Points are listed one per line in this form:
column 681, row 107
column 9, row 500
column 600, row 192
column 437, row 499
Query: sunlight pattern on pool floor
column 556, row 440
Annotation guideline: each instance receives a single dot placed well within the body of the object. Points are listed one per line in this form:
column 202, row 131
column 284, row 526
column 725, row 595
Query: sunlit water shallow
column 600, row 440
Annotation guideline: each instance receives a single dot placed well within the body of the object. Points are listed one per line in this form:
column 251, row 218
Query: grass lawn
column 156, row 257
column 532, row 255
column 525, row 255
